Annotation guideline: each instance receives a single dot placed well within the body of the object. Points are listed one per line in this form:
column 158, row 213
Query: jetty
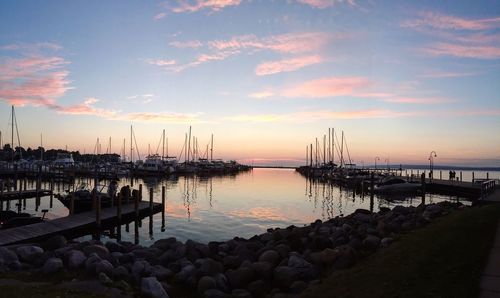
column 78, row 224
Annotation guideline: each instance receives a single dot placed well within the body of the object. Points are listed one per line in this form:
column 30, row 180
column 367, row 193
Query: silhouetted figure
column 450, row 175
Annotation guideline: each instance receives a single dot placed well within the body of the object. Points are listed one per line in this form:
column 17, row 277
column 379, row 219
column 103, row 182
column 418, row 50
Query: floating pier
column 78, row 224
column 24, row 194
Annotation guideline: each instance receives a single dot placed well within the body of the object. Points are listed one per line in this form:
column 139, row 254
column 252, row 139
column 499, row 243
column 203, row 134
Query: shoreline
column 281, row 261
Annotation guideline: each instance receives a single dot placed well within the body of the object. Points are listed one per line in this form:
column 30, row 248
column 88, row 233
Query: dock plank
column 65, row 225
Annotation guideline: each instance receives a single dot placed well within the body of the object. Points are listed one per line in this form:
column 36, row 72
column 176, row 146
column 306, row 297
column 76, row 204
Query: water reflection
column 219, row 208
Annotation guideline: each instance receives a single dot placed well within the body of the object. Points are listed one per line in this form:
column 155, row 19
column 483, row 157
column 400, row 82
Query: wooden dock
column 75, row 225
column 24, row 194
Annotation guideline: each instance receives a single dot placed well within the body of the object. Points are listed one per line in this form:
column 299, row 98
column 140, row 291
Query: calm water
column 219, row 208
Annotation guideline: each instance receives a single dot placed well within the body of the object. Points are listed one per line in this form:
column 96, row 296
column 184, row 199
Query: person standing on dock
column 112, row 188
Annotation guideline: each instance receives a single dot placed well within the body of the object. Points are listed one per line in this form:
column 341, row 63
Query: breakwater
column 280, row 261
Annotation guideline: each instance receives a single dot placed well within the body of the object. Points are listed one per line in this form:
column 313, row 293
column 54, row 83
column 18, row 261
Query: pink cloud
column 33, row 81
column 419, row 100
column 162, row 117
column 445, row 74
column 85, row 108
column 321, row 4
column 159, row 16
column 286, row 65
column 263, row 94
column 32, row 46
column 186, row 44
column 464, row 51
column 212, row 5
column 442, row 21
column 291, row 43
column 328, row 87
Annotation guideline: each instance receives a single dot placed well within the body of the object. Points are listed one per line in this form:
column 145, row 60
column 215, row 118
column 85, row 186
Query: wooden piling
column 422, row 180
column 72, row 204
column 119, row 209
column 98, row 212
column 151, row 200
column 460, row 175
column 136, row 205
column 472, row 177
column 440, row 175
column 163, row 208
column 487, row 175
column 372, row 186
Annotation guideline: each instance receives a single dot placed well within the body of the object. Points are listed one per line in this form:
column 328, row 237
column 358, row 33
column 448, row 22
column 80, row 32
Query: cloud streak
column 211, row 5
column 463, row 51
column 286, row 65
column 447, row 22
column 322, row 4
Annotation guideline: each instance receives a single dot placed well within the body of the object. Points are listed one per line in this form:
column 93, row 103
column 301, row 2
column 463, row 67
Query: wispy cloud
column 165, row 117
column 322, row 4
column 464, row 51
column 186, row 44
column 322, row 115
column 328, row 87
column 442, row 21
column 33, row 80
column 196, row 5
column 447, row 74
column 419, row 100
column 161, row 62
column 31, row 47
column 460, row 37
column 85, row 108
column 142, row 98
column 159, row 16
column 286, row 65
column 263, row 94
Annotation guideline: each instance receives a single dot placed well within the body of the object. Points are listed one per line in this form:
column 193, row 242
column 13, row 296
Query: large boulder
column 240, row 277
column 100, row 250
column 371, row 242
column 305, row 270
column 91, row 263
column 8, row 256
column 270, row 256
column 104, row 266
column 29, row 253
column 209, row 266
column 52, row 265
column 284, row 276
column 205, row 283
column 75, row 259
column 54, row 242
column 151, row 287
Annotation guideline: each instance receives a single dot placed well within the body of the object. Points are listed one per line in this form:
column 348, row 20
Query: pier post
column 51, row 191
column 151, row 200
column 460, row 176
column 72, row 204
column 372, row 185
column 150, row 211
column 136, row 205
column 472, row 177
column 98, row 212
column 140, row 192
column 488, row 175
column 163, row 208
column 119, row 217
column 422, row 179
column 440, row 175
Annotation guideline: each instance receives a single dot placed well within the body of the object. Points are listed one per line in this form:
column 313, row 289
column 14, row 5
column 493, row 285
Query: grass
column 444, row 259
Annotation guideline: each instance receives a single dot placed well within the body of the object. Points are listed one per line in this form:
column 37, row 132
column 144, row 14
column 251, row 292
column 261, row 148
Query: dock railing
column 487, row 186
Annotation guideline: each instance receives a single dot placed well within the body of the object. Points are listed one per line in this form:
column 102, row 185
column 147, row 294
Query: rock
column 346, row 257
column 231, row 262
column 150, row 287
column 263, row 270
column 52, row 265
column 347, row 228
column 100, row 250
column 161, row 273
column 165, row 244
column 371, row 242
column 104, row 279
column 114, row 247
column 54, row 242
column 186, row 272
column 104, row 266
column 127, row 258
column 240, row 293
column 240, row 277
column 328, row 256
column 29, row 253
column 120, row 272
column 140, row 269
column 75, row 259
column 386, row 241
column 123, row 285
column 305, row 270
column 284, row 276
column 298, row 286
column 221, row 282
column 362, row 217
column 8, row 256
column 205, row 283
column 209, row 267
column 146, row 254
column 257, row 288
column 15, row 266
column 214, row 293
column 270, row 256
column 91, row 263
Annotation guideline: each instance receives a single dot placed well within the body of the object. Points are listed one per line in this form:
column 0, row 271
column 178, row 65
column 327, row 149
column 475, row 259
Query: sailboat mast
column 185, row 147
column 212, row 148
column 12, row 139
column 329, row 146
column 316, row 152
column 307, row 154
column 131, row 146
column 163, row 150
column 189, row 144
column 311, row 154
column 324, row 149
column 123, row 156
column 109, row 145
column 342, row 150
column 41, row 146
column 333, row 145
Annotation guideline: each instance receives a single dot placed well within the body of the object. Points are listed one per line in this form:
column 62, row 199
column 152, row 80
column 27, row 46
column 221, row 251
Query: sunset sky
column 401, row 78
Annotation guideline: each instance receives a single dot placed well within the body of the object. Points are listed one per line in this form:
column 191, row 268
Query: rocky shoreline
column 278, row 263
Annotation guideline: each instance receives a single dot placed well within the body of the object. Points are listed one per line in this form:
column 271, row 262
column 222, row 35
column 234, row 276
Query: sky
column 266, row 78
